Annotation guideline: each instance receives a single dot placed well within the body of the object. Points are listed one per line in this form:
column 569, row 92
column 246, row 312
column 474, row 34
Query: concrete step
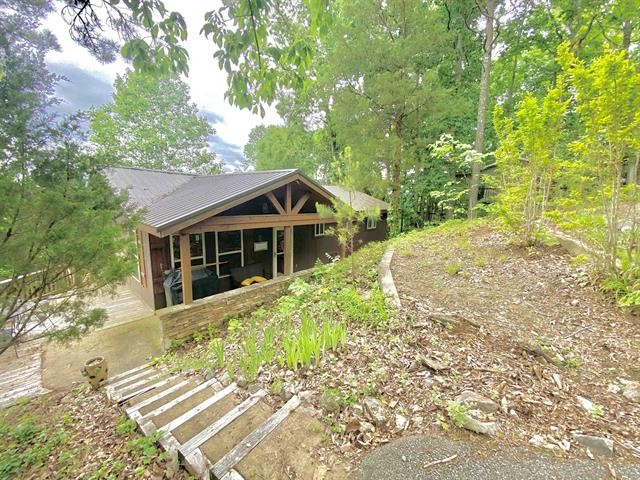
column 209, row 427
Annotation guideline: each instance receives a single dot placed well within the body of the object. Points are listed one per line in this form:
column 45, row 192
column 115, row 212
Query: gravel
column 405, row 459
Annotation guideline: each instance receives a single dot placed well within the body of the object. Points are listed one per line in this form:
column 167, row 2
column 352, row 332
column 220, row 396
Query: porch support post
column 288, row 250
column 185, row 262
column 287, row 199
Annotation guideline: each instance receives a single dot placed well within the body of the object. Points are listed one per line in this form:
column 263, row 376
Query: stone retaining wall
column 181, row 321
column 385, row 278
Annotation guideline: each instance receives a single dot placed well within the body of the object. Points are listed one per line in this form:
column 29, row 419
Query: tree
column 288, row 146
column 599, row 205
column 348, row 219
column 381, row 71
column 152, row 123
column 483, row 102
column 528, row 160
column 146, row 33
column 63, row 232
column 438, row 187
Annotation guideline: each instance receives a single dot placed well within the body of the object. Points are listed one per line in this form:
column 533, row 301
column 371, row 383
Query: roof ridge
column 155, row 170
column 276, row 170
column 195, row 175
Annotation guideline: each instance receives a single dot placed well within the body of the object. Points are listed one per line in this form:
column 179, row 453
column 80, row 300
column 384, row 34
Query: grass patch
column 312, row 320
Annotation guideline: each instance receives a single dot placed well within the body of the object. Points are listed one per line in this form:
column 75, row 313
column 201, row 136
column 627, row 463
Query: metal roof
column 145, row 186
column 204, row 193
column 359, row 200
column 168, row 198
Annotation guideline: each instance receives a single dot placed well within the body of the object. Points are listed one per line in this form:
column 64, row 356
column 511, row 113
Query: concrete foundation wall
column 181, row 321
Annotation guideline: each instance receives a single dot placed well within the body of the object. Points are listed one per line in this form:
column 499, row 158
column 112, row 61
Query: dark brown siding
column 308, row 248
column 376, row 235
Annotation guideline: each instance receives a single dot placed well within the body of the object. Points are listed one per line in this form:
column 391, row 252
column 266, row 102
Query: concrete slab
column 124, row 346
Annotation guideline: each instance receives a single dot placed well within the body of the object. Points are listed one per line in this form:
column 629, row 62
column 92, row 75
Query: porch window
column 372, row 223
column 197, row 250
column 319, row 230
column 230, row 252
column 221, row 250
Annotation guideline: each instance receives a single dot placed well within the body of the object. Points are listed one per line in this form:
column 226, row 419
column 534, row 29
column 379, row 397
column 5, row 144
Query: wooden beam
column 134, row 410
column 288, row 198
column 237, row 222
column 213, row 384
column 189, row 414
column 300, row 203
column 274, row 201
column 288, row 250
column 185, row 266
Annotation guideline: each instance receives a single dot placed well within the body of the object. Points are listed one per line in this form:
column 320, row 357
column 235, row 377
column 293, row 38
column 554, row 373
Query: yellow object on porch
column 251, row 280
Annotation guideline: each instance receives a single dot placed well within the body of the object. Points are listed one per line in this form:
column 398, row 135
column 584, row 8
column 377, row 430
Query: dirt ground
column 523, row 327
column 77, row 434
column 526, row 328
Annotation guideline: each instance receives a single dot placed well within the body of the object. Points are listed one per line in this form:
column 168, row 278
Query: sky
column 90, row 82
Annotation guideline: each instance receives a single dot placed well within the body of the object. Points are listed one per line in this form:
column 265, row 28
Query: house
column 213, row 233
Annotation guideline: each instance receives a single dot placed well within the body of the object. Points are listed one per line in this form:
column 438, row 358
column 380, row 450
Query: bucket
column 96, row 371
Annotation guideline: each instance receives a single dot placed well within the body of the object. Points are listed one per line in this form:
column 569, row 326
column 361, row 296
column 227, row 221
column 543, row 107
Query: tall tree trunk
column 626, row 35
column 459, row 64
column 482, row 107
column 395, row 190
column 396, row 173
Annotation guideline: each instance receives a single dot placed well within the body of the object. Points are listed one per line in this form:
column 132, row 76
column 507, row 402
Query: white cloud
column 208, row 83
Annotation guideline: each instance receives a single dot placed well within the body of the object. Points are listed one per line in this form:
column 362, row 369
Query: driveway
column 437, row 458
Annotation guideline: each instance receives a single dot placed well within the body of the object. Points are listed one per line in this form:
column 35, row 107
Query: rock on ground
column 597, row 445
column 632, row 392
column 477, row 401
column 484, row 428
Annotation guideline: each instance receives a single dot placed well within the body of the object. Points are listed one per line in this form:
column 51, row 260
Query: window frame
column 203, row 257
column 141, row 270
column 319, row 230
column 372, row 223
column 230, row 252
